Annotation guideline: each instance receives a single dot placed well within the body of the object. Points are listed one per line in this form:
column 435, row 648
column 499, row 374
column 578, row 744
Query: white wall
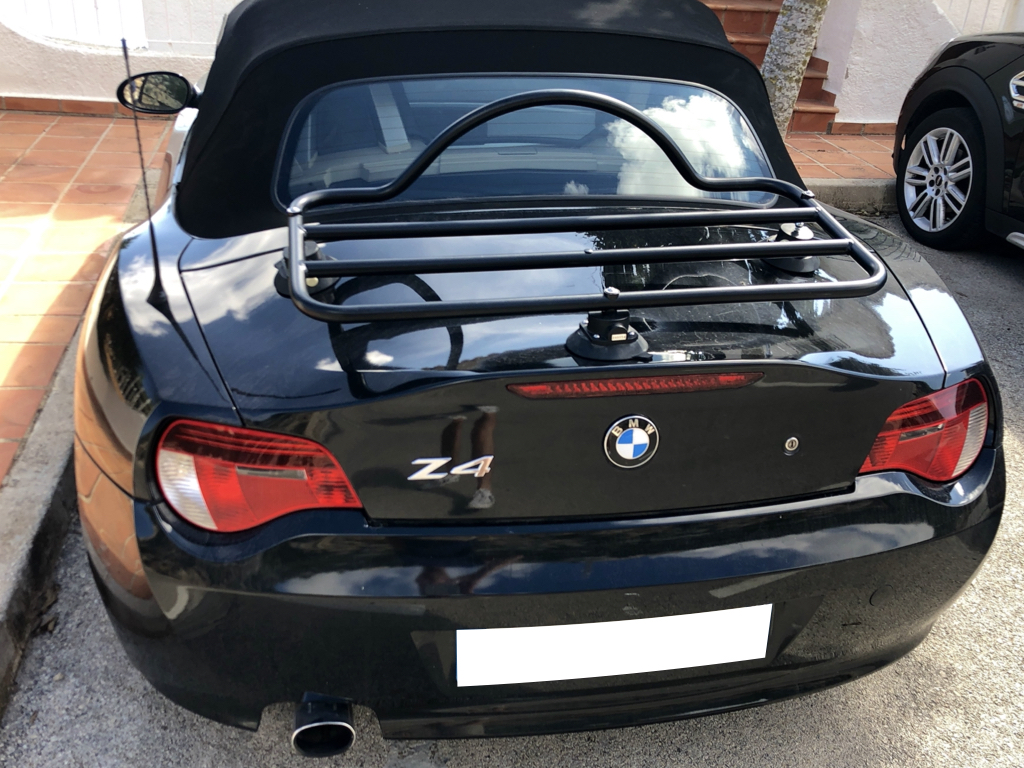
column 1013, row 19
column 189, row 27
column 35, row 68
column 93, row 22
column 891, row 43
column 184, row 26
column 971, row 17
column 70, row 48
column 877, row 48
column 66, row 48
column 835, row 40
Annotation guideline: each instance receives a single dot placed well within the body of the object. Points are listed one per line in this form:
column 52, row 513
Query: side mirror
column 157, row 93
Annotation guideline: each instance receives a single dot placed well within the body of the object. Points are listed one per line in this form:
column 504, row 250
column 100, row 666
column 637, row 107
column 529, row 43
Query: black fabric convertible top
column 274, row 53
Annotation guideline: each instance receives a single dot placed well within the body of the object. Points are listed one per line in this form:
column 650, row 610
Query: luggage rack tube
column 807, row 210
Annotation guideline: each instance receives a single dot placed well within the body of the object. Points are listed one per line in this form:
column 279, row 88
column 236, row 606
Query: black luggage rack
column 807, row 210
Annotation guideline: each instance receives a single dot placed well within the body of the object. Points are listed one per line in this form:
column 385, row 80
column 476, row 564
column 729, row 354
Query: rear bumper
column 323, row 602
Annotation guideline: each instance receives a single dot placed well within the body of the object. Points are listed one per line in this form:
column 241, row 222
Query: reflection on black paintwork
column 877, row 334
column 121, row 358
column 554, row 564
column 482, row 444
column 435, row 580
column 390, row 389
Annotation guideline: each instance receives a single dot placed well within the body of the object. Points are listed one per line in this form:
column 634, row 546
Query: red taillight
column 635, row 385
column 937, row 437
column 230, row 479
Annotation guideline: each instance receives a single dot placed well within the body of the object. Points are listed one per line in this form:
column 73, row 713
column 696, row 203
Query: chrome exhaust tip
column 323, row 726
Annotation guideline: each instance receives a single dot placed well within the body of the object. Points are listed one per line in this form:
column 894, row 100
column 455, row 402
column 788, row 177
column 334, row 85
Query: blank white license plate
column 574, row 651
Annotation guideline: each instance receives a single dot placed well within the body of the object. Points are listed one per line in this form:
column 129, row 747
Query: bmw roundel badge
column 631, row 442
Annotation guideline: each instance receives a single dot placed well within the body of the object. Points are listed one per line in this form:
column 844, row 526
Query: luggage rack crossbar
column 806, row 210
column 587, row 258
column 608, row 222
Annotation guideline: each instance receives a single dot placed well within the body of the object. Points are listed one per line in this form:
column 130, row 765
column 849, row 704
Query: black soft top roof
column 274, row 53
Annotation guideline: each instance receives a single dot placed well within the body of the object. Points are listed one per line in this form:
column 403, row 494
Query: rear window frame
column 292, row 131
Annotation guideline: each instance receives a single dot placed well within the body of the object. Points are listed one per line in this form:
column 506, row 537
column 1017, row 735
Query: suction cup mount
column 607, row 335
column 801, row 265
column 315, row 285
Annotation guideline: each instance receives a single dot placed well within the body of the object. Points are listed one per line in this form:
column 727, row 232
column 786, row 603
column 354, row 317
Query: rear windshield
column 365, row 135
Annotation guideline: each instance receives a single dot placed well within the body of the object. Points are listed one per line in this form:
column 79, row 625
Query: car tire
column 941, row 172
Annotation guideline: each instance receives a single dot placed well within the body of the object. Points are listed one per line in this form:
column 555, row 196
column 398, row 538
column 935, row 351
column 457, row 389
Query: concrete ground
column 955, row 701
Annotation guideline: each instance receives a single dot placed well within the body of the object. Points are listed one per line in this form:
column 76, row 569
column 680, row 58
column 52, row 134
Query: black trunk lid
column 387, row 397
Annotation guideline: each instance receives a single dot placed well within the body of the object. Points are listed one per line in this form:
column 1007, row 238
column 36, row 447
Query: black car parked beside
column 959, row 155
column 489, row 365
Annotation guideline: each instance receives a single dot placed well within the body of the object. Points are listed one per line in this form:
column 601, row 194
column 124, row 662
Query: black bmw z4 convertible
column 488, row 365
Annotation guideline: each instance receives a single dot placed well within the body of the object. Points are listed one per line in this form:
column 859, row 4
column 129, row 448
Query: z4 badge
column 477, row 468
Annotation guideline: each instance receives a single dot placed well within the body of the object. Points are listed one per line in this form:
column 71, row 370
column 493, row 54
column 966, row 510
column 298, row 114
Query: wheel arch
column 954, row 87
column 935, row 102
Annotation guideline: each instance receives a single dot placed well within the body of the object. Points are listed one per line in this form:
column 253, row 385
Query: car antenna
column 157, row 297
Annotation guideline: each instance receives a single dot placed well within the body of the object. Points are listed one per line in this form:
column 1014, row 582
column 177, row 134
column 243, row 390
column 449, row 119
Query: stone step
column 746, row 16
column 813, row 87
column 812, row 117
column 748, row 25
column 753, row 46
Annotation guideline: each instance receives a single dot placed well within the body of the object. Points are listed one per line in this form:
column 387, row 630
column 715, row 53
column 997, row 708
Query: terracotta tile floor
column 842, row 157
column 65, row 183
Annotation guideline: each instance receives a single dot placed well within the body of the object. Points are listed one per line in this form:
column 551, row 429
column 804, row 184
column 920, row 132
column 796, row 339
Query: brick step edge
column 818, row 107
column 745, row 6
column 78, row 107
column 862, row 129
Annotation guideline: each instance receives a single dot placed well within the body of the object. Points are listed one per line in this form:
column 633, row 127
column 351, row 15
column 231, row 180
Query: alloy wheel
column 937, row 182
